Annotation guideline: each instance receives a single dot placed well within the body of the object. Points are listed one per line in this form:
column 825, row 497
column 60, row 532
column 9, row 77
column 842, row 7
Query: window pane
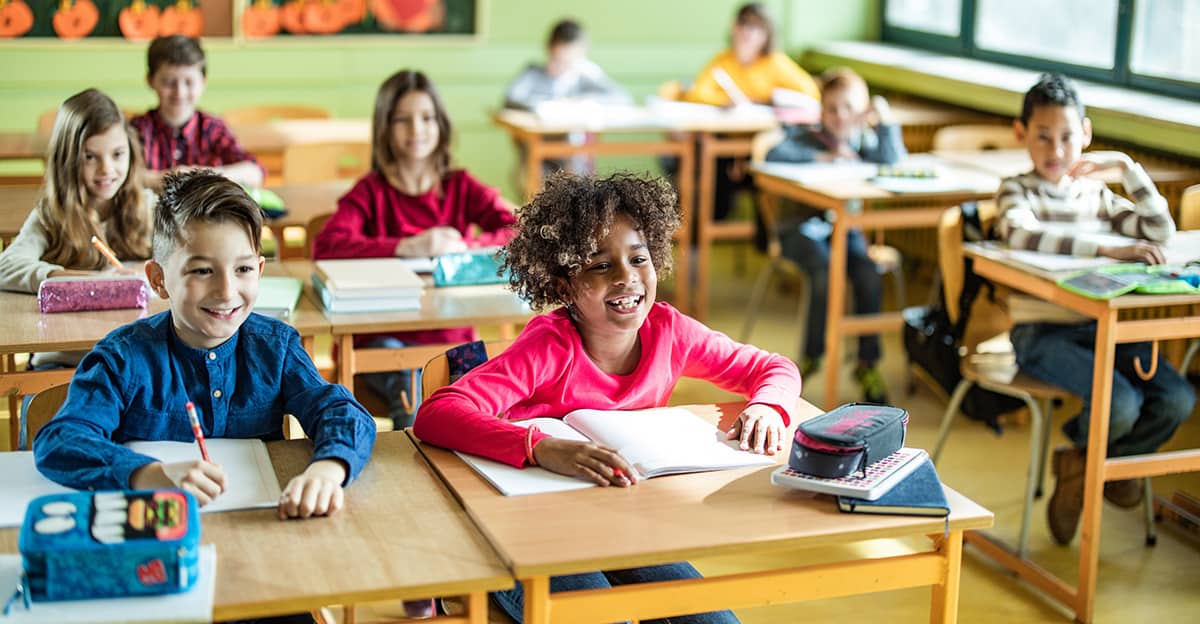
column 1080, row 32
column 942, row 17
column 1166, row 41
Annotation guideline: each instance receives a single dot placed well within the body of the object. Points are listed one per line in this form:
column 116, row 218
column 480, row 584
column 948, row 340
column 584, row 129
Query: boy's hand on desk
column 584, row 460
column 1141, row 251
column 315, row 492
column 759, row 428
column 205, row 480
column 435, row 241
column 1094, row 162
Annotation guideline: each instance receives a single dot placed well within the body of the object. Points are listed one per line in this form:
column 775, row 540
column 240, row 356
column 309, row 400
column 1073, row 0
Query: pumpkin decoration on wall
column 15, row 18
column 261, row 19
column 139, row 21
column 321, row 18
column 182, row 18
column 409, row 15
column 75, row 19
column 291, row 17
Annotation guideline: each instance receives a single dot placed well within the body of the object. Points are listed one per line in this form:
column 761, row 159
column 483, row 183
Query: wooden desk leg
column 508, row 331
column 704, row 218
column 477, row 608
column 537, row 600
column 309, row 343
column 345, row 363
column 1097, row 454
column 533, row 166
column 835, row 308
column 687, row 214
column 944, row 608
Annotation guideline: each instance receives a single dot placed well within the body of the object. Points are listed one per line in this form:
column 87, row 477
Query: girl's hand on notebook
column 759, row 429
column 585, row 460
column 315, row 492
column 435, row 241
column 1141, row 251
column 205, row 480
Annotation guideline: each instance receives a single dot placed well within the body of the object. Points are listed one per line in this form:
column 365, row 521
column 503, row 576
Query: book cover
column 918, row 494
column 372, row 304
column 363, row 278
column 695, row 445
column 880, row 477
column 277, row 296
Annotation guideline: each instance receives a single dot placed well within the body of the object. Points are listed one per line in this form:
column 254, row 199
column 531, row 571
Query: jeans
column 389, row 384
column 1144, row 414
column 23, row 441
column 808, row 246
column 512, row 601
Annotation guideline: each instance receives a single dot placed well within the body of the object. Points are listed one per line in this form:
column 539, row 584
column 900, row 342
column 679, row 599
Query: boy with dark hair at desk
column 853, row 128
column 1056, row 208
column 177, row 136
column 243, row 371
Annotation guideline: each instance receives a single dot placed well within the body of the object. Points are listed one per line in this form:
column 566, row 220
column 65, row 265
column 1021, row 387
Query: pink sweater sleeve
column 761, row 376
column 468, row 416
column 344, row 235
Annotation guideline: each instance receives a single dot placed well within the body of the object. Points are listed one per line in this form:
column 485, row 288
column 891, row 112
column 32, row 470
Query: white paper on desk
column 529, row 480
column 194, row 605
column 250, row 477
column 1183, row 247
column 817, row 173
column 20, row 482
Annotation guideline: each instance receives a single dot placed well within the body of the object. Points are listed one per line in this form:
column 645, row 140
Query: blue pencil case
column 82, row 545
column 469, row 268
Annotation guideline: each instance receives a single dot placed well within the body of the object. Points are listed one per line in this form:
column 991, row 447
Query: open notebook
column 251, row 481
column 657, row 442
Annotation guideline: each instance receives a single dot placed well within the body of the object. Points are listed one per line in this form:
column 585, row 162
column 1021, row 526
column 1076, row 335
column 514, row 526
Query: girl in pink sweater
column 595, row 247
column 412, row 204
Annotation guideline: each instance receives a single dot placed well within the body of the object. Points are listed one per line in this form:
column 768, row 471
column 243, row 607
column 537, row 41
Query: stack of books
column 367, row 285
column 904, row 483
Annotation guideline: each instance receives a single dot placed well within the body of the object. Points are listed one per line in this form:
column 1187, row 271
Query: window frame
column 1121, row 74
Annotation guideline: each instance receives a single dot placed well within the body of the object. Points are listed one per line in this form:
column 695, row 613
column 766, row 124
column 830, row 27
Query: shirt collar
column 222, row 351
column 188, row 129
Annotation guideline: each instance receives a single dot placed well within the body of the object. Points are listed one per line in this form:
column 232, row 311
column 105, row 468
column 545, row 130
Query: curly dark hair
column 561, row 227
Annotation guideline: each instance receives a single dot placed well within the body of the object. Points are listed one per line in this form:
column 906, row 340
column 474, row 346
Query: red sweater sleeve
column 345, row 235
column 483, row 206
column 469, row 416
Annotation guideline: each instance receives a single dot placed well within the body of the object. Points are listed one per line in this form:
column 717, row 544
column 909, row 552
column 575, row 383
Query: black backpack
column 934, row 343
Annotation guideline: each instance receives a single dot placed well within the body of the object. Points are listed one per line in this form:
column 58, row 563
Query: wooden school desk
column 441, row 308
column 993, row 263
column 836, row 189
column 544, row 140
column 400, row 536
column 16, row 202
column 268, row 140
column 682, row 517
column 303, row 202
column 26, row 330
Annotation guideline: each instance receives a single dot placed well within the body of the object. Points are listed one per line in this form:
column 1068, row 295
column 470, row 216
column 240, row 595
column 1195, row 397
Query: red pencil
column 192, row 416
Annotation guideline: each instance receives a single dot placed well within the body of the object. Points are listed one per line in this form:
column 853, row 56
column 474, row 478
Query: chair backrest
column 986, row 317
column 261, row 113
column 437, row 371
column 43, row 407
column 763, row 142
column 971, row 137
column 322, row 162
column 312, row 229
column 1189, row 208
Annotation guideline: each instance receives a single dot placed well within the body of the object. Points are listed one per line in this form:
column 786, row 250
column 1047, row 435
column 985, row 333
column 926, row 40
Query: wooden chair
column 323, row 162
column 437, row 371
column 990, row 364
column 262, row 113
column 973, row 137
column 42, row 408
column 312, row 229
column 887, row 259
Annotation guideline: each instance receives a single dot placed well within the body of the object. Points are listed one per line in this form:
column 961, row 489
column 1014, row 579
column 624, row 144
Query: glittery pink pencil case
column 76, row 294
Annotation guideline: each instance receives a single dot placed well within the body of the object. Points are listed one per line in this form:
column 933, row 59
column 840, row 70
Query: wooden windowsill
column 1155, row 121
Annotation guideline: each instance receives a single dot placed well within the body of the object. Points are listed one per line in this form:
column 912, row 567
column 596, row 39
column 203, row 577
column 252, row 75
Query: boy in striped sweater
column 1056, row 208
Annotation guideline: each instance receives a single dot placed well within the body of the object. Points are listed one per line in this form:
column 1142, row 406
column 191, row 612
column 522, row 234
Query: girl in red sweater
column 412, row 204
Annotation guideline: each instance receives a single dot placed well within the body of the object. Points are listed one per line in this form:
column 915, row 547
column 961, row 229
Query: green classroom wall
column 641, row 43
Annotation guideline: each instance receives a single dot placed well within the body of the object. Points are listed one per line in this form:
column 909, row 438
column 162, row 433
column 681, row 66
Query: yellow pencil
column 108, row 253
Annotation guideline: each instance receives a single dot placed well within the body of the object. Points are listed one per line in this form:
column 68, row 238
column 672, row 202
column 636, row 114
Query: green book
column 277, row 297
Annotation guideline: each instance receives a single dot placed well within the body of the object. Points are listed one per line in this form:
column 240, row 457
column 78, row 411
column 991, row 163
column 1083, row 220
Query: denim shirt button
column 217, row 394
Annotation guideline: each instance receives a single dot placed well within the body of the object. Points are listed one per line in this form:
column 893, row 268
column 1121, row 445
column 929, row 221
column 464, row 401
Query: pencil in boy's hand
column 108, row 253
column 191, row 410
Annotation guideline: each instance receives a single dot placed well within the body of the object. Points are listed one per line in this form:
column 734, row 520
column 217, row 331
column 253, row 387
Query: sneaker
column 1066, row 504
column 1124, row 493
column 809, row 365
column 873, row 386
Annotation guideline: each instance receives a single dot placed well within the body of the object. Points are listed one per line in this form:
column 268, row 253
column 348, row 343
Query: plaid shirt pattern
column 203, row 141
